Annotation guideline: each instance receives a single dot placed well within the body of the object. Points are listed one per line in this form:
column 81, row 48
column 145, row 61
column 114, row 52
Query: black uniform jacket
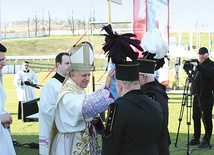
column 202, row 79
column 156, row 91
column 133, row 127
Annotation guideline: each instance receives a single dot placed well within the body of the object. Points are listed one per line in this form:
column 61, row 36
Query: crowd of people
column 137, row 104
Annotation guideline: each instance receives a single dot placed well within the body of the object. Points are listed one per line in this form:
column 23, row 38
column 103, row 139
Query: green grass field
column 28, row 131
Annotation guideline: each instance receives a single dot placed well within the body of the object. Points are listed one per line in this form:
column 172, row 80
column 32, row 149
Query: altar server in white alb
column 48, row 98
column 24, row 81
column 76, row 120
column 6, row 145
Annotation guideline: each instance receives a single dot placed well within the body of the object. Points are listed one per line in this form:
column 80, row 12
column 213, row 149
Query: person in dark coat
column 203, row 100
column 156, row 91
column 135, row 122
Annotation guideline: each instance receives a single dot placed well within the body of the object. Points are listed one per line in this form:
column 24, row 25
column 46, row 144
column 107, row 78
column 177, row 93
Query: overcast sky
column 24, row 9
column 182, row 12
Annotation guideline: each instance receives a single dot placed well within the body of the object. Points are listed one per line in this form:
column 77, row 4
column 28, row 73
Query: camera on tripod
column 188, row 66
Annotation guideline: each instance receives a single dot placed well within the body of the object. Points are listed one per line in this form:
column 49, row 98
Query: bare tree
column 71, row 22
column 43, row 23
column 5, row 29
column 28, row 27
column 84, row 24
column 49, row 24
column 92, row 16
column 36, row 20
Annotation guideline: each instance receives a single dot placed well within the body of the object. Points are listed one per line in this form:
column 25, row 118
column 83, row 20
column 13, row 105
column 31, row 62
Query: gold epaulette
column 110, row 119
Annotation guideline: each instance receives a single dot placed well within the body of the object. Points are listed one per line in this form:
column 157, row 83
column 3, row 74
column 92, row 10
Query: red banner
column 139, row 18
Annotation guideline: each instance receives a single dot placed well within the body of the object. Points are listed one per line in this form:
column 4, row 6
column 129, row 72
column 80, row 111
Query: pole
column 109, row 22
column 109, row 11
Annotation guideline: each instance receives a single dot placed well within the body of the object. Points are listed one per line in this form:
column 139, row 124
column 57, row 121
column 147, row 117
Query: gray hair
column 129, row 83
column 150, row 77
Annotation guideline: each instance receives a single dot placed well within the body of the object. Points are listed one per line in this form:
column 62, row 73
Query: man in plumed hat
column 5, row 117
column 134, row 122
column 156, row 91
column 76, row 121
column 201, row 88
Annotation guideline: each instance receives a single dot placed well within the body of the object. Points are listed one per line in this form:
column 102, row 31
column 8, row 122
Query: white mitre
column 82, row 56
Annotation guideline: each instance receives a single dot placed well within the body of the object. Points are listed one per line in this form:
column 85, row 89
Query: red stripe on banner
column 139, row 18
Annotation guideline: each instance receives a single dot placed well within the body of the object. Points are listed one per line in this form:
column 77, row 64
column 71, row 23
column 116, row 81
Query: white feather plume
column 155, row 44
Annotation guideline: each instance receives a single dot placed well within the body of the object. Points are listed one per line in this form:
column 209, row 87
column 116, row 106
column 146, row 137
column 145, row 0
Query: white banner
column 147, row 16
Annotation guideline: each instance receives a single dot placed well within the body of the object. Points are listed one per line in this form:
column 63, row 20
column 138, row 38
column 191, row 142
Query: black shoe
column 203, row 144
column 194, row 141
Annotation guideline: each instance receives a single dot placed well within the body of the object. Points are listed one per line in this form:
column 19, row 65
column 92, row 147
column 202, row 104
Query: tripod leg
column 179, row 119
column 189, row 107
column 184, row 99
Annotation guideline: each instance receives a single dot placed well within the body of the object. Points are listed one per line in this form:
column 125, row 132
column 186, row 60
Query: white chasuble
column 71, row 133
column 6, row 145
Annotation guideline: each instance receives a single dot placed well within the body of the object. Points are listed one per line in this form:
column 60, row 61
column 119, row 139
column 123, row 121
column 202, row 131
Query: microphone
column 31, row 84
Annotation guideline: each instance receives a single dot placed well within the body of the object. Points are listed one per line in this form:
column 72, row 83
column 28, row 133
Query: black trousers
column 202, row 109
column 25, row 110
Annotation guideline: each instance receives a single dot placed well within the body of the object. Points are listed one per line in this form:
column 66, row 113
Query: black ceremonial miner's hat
column 2, row 48
column 146, row 66
column 128, row 71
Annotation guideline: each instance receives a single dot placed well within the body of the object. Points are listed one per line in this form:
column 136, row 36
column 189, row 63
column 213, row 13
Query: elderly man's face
column 2, row 60
column 81, row 78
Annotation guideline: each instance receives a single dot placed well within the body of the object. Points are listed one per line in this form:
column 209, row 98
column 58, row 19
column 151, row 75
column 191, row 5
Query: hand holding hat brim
column 110, row 77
